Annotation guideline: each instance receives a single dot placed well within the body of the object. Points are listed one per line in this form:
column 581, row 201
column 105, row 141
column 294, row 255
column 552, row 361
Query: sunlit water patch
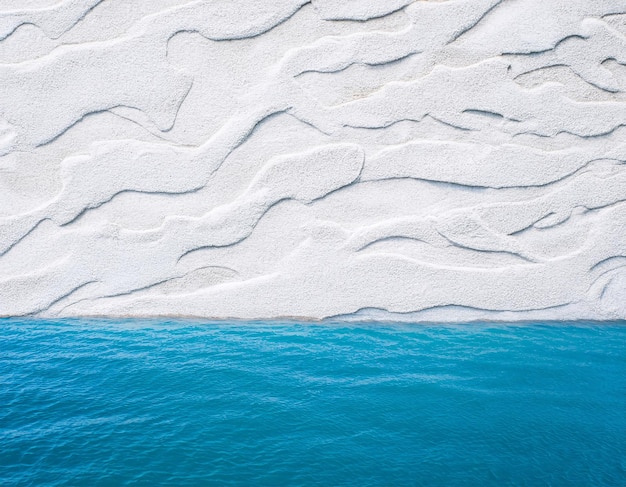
column 192, row 403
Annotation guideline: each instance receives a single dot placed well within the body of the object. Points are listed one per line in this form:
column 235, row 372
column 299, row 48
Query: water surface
column 105, row 402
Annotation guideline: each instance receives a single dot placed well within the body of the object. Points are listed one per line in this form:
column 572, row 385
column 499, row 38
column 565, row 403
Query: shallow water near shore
column 149, row 402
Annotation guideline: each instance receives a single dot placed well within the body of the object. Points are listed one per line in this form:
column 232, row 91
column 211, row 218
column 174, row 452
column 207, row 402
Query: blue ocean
column 115, row 402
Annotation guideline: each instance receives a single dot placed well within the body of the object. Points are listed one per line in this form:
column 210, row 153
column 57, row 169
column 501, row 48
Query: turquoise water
column 189, row 403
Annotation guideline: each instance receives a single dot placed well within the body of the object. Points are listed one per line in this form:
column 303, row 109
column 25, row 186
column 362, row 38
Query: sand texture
column 417, row 160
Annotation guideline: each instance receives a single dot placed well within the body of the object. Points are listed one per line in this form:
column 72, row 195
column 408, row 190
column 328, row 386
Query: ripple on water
column 106, row 402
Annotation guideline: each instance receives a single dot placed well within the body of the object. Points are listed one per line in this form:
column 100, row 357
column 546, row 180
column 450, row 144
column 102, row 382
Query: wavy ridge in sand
column 448, row 160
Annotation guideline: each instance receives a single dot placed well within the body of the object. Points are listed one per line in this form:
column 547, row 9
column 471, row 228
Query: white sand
column 364, row 159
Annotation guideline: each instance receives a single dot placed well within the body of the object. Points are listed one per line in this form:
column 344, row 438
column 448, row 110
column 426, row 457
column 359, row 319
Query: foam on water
column 196, row 403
